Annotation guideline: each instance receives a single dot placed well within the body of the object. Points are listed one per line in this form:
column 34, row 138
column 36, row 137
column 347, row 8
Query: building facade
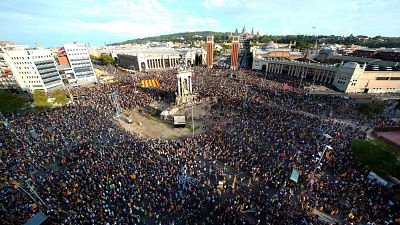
column 32, row 69
column 144, row 59
column 349, row 77
column 7, row 78
column 79, row 60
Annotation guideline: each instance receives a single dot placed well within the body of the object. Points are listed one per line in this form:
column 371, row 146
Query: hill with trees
column 302, row 41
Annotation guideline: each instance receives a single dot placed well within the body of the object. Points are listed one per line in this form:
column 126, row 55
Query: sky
column 54, row 22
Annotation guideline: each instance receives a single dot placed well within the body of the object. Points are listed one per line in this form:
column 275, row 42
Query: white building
column 79, row 60
column 347, row 77
column 143, row 59
column 32, row 69
column 7, row 78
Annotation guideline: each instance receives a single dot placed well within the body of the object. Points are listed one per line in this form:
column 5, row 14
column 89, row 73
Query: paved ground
column 325, row 217
column 393, row 136
column 150, row 127
column 147, row 126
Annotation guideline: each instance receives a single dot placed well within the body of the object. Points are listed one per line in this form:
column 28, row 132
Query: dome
column 270, row 44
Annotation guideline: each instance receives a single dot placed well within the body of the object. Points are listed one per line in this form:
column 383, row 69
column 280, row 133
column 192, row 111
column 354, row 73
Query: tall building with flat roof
column 79, row 60
column 32, row 69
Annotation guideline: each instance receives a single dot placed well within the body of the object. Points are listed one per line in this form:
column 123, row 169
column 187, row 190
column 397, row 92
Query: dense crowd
column 89, row 170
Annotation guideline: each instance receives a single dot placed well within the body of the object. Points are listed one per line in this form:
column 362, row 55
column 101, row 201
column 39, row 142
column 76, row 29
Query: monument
column 184, row 94
column 235, row 52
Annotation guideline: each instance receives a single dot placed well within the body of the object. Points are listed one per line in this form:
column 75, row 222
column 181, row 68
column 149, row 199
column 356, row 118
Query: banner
column 150, row 84
column 295, row 175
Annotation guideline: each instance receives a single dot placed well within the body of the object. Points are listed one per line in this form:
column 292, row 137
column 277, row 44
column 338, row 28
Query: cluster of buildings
column 153, row 58
column 30, row 69
column 348, row 76
column 351, row 69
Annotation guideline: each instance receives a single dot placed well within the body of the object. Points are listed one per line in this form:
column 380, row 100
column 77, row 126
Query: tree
column 40, row 99
column 377, row 155
column 93, row 57
column 10, row 102
column 370, row 109
column 106, row 59
column 227, row 46
column 59, row 97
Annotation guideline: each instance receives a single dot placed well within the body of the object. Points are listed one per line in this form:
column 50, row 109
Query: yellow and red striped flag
column 150, row 84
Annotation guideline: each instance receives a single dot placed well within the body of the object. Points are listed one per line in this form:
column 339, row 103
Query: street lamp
column 321, row 156
column 192, row 123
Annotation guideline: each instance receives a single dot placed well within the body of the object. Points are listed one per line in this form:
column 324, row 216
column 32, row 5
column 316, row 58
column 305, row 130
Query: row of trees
column 302, row 40
column 103, row 59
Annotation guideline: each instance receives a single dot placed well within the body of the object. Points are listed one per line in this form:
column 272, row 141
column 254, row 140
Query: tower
column 210, row 51
column 235, row 52
column 244, row 30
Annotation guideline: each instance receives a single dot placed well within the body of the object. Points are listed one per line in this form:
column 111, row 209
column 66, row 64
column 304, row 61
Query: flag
column 150, row 84
column 328, row 154
column 295, row 175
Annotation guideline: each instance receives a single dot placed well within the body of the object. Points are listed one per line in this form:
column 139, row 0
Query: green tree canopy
column 59, row 97
column 378, row 156
column 106, row 59
column 370, row 109
column 40, row 99
column 10, row 102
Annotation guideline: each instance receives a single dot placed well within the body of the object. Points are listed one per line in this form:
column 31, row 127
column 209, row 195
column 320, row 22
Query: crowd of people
column 86, row 169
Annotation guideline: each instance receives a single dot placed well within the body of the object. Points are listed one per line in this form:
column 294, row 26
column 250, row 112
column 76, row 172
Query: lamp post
column 322, row 156
column 192, row 122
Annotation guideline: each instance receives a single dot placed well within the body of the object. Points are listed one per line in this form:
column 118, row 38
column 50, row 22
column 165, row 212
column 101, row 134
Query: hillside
column 179, row 37
column 303, row 41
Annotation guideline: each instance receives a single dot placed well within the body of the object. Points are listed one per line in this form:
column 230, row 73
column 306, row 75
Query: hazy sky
column 53, row 22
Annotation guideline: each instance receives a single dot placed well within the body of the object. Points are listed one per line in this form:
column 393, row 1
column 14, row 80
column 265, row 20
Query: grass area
column 378, row 156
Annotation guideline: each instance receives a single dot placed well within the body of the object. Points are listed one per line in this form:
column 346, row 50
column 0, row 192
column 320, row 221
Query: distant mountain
column 179, row 37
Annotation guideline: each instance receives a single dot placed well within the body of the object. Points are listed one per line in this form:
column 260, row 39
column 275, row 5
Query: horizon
column 105, row 22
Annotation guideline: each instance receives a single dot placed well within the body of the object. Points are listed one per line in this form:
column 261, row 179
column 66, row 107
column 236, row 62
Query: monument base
column 186, row 99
